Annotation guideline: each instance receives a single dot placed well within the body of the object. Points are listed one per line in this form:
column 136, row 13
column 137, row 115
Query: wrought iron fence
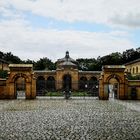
column 49, row 88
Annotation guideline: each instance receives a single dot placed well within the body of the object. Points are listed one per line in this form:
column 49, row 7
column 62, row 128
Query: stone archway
column 93, row 82
column 40, row 85
column 67, row 81
column 93, row 86
column 21, row 71
column 20, row 87
column 109, row 73
column 51, row 83
column 83, row 83
column 114, row 86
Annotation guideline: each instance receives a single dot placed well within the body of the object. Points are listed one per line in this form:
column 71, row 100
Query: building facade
column 4, row 65
column 66, row 74
column 133, row 67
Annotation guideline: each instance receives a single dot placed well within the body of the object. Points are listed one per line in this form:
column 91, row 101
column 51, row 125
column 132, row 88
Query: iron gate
column 48, row 88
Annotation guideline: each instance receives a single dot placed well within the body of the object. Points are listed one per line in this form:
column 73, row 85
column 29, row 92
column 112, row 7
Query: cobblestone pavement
column 75, row 119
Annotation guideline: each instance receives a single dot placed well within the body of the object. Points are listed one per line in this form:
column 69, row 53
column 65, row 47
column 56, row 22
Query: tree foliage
column 10, row 57
column 115, row 58
column 3, row 74
column 44, row 63
column 85, row 64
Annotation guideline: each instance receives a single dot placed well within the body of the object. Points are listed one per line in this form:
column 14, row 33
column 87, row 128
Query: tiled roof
column 131, row 62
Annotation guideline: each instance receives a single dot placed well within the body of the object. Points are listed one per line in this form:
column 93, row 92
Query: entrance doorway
column 93, row 86
column 50, row 83
column 113, row 88
column 20, row 88
column 67, row 82
column 83, row 84
column 40, row 85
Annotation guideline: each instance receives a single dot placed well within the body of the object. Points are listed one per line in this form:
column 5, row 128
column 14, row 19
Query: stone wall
column 133, row 85
column 3, row 88
column 4, row 66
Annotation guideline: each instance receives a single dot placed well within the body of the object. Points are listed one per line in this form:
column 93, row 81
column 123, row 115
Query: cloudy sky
column 33, row 29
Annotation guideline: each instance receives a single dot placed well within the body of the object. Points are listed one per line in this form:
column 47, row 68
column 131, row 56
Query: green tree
column 112, row 59
column 11, row 58
column 130, row 55
column 1, row 55
column 3, row 73
column 28, row 61
column 44, row 63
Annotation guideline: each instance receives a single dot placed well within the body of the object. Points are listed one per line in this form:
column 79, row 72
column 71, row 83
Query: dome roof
column 66, row 58
column 66, row 62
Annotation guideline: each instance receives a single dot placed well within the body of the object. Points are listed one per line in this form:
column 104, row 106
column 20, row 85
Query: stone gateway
column 111, row 81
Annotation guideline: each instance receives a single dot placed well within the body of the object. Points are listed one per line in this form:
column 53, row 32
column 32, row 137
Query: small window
column 136, row 69
column 133, row 70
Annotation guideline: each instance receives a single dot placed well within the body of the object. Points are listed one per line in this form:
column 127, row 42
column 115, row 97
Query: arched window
column 40, row 85
column 20, row 85
column 82, row 83
column 113, row 87
column 137, row 70
column 93, row 82
column 133, row 70
column 67, row 82
column 50, row 83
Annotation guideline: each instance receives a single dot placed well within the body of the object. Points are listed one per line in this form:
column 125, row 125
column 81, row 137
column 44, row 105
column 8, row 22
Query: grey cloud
column 29, row 44
column 110, row 12
column 129, row 20
column 18, row 36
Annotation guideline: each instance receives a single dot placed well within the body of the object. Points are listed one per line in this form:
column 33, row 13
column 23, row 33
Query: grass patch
column 54, row 94
column 62, row 94
column 79, row 94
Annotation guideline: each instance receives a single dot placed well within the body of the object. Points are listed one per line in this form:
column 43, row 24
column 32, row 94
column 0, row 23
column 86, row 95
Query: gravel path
column 75, row 119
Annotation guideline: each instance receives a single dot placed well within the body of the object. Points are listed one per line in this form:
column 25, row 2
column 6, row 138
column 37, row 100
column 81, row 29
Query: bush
column 3, row 74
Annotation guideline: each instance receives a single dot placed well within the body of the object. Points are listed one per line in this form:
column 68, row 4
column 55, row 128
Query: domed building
column 66, row 62
column 66, row 75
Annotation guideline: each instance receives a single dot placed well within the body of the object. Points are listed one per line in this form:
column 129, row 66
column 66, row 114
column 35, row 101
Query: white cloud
column 17, row 36
column 129, row 20
column 110, row 12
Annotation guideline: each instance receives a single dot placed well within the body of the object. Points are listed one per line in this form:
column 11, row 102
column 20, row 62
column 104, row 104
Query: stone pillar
column 75, row 85
column 106, row 92
column 126, row 89
column 59, row 85
column 33, row 95
column 10, row 91
column 74, row 81
column 122, row 91
column 28, row 90
column 101, row 89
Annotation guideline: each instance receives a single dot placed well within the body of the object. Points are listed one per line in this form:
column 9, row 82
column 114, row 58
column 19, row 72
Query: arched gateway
column 67, row 82
column 115, row 76
column 18, row 74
